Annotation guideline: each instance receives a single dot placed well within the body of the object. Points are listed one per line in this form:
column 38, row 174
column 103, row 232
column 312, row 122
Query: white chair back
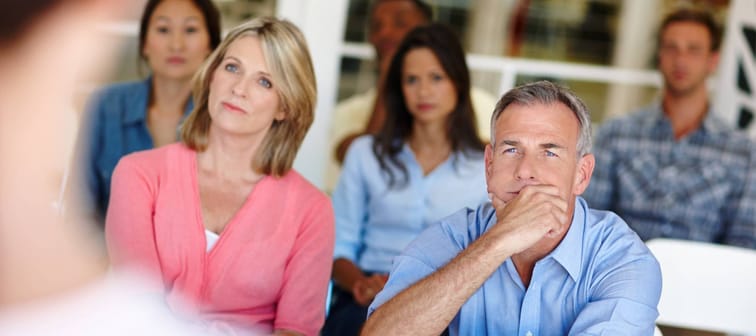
column 706, row 286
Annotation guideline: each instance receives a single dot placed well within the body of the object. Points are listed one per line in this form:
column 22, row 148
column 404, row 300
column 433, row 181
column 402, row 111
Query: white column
column 323, row 24
column 488, row 35
column 728, row 98
column 634, row 46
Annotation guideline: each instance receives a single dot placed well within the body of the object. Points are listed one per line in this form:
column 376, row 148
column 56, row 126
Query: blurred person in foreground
column 175, row 37
column 389, row 21
column 53, row 277
column 536, row 260
column 425, row 163
column 221, row 218
column 675, row 169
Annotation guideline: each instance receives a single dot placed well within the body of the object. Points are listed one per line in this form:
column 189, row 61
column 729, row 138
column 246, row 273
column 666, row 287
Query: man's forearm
column 427, row 307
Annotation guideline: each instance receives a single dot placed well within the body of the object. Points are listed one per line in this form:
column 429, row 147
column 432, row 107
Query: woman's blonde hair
column 288, row 58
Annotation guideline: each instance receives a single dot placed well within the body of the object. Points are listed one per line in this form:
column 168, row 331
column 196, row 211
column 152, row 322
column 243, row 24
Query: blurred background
column 602, row 49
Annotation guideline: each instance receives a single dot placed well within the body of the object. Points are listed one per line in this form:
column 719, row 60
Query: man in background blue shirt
column 536, row 260
column 675, row 169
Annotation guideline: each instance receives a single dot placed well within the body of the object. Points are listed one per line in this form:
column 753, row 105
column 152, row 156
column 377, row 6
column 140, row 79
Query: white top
column 211, row 238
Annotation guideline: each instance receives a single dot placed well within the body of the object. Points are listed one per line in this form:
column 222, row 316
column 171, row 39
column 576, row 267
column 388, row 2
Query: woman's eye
column 437, row 77
column 230, row 67
column 162, row 30
column 265, row 83
column 410, row 80
column 191, row 30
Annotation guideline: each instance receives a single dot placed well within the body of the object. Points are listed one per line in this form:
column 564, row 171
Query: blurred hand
column 367, row 288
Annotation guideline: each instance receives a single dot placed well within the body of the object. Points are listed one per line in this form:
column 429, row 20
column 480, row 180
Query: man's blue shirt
column 600, row 280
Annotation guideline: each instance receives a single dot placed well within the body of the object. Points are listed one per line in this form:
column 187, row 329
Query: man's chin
column 680, row 89
column 508, row 197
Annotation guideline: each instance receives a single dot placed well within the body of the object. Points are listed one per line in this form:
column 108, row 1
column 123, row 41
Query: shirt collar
column 714, row 124
column 138, row 101
column 711, row 123
column 569, row 253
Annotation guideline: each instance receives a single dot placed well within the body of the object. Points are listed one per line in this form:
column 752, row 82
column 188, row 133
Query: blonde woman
column 221, row 217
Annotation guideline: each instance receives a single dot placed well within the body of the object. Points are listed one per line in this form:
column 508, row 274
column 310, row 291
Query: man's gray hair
column 547, row 93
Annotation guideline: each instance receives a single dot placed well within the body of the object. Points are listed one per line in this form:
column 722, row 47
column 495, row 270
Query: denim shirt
column 115, row 125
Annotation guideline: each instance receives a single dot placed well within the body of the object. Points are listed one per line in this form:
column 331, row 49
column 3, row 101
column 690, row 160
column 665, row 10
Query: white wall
column 323, row 25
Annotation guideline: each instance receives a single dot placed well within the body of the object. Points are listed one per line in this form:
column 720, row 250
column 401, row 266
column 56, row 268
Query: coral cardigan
column 270, row 267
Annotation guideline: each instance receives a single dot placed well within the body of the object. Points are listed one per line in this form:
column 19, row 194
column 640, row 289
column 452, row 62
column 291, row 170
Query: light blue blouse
column 374, row 223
